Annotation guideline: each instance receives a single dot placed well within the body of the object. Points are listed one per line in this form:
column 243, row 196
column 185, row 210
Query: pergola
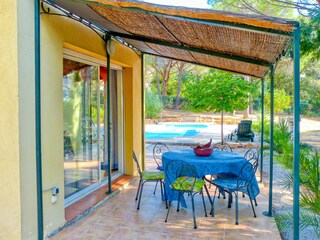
column 241, row 44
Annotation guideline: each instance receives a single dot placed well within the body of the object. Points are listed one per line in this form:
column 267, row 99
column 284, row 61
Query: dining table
column 219, row 162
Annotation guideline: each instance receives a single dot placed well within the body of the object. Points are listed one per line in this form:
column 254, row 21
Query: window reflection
column 80, row 101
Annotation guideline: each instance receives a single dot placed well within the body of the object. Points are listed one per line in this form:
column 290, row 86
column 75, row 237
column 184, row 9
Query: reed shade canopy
column 237, row 43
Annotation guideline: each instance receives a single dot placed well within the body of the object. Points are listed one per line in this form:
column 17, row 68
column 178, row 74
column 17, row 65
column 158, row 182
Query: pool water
column 186, row 125
column 171, row 130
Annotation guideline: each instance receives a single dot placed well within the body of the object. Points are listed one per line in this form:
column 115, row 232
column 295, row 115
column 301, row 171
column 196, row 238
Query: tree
column 164, row 67
column 219, row 92
column 309, row 12
column 310, row 36
column 257, row 7
column 310, row 87
column 281, row 100
column 247, row 111
column 181, row 68
column 268, row 7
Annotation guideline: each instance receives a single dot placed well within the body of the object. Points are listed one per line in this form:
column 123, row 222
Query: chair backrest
column 246, row 121
column 137, row 163
column 222, row 146
column 181, row 174
column 252, row 153
column 244, row 128
column 158, row 150
column 247, row 173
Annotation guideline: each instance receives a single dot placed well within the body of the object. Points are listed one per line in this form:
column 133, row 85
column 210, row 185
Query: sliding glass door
column 84, row 96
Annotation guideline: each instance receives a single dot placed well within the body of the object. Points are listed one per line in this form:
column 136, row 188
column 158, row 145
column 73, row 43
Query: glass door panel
column 81, row 118
column 116, row 117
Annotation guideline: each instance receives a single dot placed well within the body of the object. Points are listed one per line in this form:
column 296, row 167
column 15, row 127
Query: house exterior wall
column 17, row 122
column 10, row 206
column 17, row 131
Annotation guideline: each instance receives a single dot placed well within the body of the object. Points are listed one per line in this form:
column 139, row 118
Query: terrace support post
column 38, row 117
column 296, row 132
column 142, row 111
column 262, row 128
column 269, row 212
column 107, row 119
column 222, row 142
column 99, row 126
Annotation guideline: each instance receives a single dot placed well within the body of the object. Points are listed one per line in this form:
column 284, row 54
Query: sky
column 184, row 3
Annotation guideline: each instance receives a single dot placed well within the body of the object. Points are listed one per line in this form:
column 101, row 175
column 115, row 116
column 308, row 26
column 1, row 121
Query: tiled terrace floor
column 96, row 198
column 118, row 218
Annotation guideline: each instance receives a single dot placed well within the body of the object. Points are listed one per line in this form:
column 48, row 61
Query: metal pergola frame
column 296, row 129
column 192, row 49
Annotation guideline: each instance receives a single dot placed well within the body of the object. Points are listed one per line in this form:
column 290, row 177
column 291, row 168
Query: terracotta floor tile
column 119, row 219
column 173, row 237
column 92, row 199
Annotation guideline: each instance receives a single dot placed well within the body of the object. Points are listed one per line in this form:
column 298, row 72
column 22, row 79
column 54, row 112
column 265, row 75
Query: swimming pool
column 170, row 130
column 187, row 125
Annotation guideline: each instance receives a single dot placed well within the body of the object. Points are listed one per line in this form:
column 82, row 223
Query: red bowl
column 203, row 151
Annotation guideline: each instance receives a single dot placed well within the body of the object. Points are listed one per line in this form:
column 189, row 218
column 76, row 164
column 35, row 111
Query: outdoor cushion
column 188, row 184
column 152, row 175
column 230, row 183
column 160, row 168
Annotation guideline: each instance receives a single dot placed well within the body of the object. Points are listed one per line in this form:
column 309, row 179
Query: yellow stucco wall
column 27, row 150
column 17, row 132
column 18, row 201
column 57, row 32
column 10, row 220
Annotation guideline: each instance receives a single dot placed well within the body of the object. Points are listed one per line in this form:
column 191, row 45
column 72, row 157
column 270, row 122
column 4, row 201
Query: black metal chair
column 249, row 154
column 183, row 178
column 145, row 176
column 67, row 147
column 243, row 132
column 223, row 147
column 158, row 150
column 252, row 153
column 240, row 183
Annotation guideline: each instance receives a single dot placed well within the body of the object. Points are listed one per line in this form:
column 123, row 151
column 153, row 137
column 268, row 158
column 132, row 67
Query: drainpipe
column 269, row 212
column 142, row 111
column 107, row 123
column 296, row 132
column 262, row 128
column 38, row 117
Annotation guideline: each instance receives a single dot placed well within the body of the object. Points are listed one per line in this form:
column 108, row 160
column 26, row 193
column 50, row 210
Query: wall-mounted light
column 111, row 47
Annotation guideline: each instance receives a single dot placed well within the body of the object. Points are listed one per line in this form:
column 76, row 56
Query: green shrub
column 257, row 104
column 182, row 103
column 310, row 194
column 305, row 108
column 168, row 102
column 310, row 178
column 256, row 127
column 282, row 136
column 307, row 218
column 153, row 105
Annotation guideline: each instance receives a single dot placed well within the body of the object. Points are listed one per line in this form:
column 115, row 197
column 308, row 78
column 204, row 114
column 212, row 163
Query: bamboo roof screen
column 244, row 44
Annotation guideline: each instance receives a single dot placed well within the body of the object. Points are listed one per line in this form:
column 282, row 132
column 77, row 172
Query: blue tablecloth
column 218, row 162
